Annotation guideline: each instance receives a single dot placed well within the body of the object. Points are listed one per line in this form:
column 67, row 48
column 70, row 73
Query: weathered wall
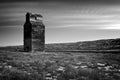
column 27, row 33
column 38, row 36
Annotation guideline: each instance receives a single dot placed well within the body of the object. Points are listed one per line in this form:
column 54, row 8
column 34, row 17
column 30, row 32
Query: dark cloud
column 65, row 20
column 68, row 1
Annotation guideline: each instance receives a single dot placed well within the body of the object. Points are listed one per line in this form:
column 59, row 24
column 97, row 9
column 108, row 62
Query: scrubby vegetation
column 107, row 44
column 59, row 66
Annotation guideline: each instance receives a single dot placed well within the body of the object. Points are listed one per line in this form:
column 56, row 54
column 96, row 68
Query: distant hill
column 12, row 48
column 105, row 44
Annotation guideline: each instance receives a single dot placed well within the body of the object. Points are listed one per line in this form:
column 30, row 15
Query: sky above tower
column 65, row 20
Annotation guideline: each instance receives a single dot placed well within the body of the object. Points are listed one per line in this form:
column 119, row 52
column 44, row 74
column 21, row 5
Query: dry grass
column 59, row 66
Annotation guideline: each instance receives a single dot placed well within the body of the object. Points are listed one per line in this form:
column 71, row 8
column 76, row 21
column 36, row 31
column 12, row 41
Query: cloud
column 57, row 16
column 106, row 18
column 62, row 20
column 71, row 1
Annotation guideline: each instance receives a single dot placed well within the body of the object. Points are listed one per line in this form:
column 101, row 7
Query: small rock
column 48, row 78
column 107, row 68
column 84, row 66
column 99, row 67
column 9, row 66
column 61, row 68
column 75, row 67
column 79, row 63
column 100, row 64
column 48, row 74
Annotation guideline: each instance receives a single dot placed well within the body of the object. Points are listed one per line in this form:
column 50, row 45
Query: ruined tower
column 34, row 33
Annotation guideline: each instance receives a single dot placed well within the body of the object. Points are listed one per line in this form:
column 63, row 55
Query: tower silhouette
column 34, row 33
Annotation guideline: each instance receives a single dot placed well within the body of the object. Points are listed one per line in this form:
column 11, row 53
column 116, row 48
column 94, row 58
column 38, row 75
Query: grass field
column 59, row 66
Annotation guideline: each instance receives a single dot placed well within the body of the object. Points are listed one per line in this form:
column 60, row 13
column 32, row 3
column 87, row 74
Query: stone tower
column 34, row 33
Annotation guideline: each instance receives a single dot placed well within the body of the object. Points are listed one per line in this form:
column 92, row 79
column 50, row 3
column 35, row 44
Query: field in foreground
column 59, row 66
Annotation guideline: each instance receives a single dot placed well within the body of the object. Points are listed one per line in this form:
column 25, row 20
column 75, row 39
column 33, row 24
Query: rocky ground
column 59, row 66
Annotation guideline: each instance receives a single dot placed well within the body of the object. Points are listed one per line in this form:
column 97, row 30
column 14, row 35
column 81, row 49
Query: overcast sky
column 65, row 20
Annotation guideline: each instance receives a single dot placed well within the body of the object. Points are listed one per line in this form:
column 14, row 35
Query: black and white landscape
column 80, row 40
column 91, row 60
